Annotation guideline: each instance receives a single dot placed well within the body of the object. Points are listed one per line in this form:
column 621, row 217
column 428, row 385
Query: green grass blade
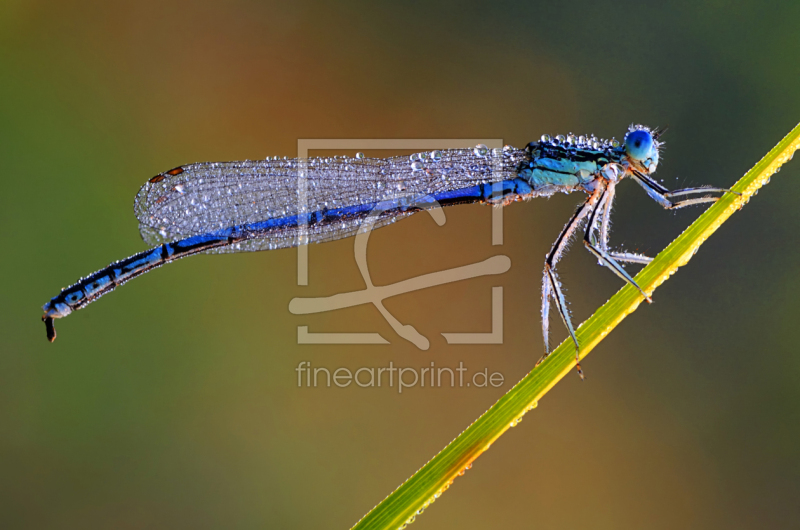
column 427, row 484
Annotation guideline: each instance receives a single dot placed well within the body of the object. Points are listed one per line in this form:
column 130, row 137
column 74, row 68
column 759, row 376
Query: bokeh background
column 173, row 402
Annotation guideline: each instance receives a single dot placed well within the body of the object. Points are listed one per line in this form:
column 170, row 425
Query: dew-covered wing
column 205, row 197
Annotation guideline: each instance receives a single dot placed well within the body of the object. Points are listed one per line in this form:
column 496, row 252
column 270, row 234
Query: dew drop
column 436, row 155
column 416, row 166
column 480, row 150
column 546, row 138
column 360, row 156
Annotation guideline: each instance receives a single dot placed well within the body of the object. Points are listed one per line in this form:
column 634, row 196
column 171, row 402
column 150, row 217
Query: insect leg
column 629, row 257
column 701, row 189
column 550, row 283
column 605, row 220
column 662, row 195
column 550, row 261
column 602, row 255
column 561, row 305
column 606, row 205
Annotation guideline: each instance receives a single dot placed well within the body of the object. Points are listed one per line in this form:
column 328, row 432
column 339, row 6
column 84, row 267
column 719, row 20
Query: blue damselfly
column 256, row 205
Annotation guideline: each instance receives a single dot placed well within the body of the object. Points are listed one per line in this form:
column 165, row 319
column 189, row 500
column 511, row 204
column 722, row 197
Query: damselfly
column 279, row 203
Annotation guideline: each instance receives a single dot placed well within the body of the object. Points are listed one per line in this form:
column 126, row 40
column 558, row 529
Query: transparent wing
column 200, row 198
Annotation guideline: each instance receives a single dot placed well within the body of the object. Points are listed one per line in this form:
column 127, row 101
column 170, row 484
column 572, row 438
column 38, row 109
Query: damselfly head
column 641, row 147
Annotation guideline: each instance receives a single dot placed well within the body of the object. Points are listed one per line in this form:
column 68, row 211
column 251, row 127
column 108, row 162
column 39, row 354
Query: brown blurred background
column 173, row 402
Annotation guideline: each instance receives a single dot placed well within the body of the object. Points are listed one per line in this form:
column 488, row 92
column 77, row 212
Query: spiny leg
column 550, row 283
column 701, row 189
column 662, row 195
column 629, row 257
column 602, row 255
column 606, row 205
column 690, row 202
column 546, row 292
column 561, row 305
column 605, row 219
column 547, row 281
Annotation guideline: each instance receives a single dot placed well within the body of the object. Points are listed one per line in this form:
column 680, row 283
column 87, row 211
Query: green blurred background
column 173, row 403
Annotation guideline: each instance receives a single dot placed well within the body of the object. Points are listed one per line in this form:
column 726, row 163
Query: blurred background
column 173, row 402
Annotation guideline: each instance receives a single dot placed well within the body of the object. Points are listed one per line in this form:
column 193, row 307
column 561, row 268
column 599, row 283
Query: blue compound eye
column 638, row 144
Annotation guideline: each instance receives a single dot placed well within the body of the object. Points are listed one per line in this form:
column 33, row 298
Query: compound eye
column 638, row 144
